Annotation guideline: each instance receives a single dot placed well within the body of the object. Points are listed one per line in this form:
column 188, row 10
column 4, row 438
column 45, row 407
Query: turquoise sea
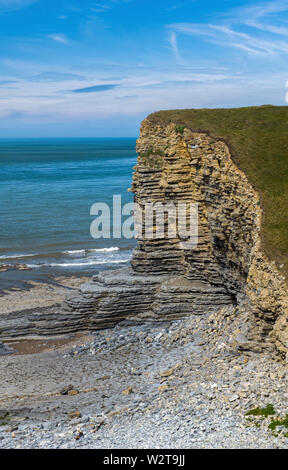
column 47, row 187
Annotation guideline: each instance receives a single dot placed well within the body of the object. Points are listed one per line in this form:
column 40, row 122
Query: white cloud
column 250, row 32
column 174, row 44
column 59, row 38
column 281, row 30
column 256, row 11
column 78, row 107
column 142, row 91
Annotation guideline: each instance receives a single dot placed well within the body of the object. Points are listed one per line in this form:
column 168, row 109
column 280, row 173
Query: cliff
column 223, row 161
column 256, row 143
column 228, row 275
column 231, row 250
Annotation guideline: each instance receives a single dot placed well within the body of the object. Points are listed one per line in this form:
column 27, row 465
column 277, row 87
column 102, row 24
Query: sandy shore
column 38, row 294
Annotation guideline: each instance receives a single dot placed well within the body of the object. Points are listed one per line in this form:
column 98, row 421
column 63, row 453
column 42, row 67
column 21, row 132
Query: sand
column 38, row 294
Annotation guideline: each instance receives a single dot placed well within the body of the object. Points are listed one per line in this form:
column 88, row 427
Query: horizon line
column 69, row 137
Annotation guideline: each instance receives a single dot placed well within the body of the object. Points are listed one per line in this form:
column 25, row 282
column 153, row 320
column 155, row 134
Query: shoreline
column 120, row 386
column 39, row 295
column 117, row 386
column 30, row 294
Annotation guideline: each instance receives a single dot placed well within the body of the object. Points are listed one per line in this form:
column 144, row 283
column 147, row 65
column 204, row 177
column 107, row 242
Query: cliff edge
column 238, row 181
column 200, row 155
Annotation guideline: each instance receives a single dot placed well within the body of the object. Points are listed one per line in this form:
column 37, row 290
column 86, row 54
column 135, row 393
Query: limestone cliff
column 197, row 168
column 226, row 276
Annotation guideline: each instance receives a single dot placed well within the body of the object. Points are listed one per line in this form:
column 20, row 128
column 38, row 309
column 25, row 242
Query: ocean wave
column 94, row 250
column 85, row 263
column 105, row 250
column 72, row 259
column 84, row 251
column 73, row 252
column 29, row 255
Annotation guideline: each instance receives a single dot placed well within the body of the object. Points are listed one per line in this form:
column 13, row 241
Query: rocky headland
column 184, row 342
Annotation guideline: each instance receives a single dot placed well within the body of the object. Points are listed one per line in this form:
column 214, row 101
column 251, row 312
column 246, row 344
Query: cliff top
column 258, row 141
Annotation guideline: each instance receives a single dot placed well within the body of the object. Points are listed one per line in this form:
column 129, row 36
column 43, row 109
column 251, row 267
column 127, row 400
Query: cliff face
column 194, row 167
column 226, row 276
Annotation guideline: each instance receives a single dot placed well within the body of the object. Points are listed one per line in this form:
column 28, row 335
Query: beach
column 178, row 385
column 38, row 295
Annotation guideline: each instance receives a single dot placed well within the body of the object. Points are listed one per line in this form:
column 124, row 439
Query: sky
column 71, row 68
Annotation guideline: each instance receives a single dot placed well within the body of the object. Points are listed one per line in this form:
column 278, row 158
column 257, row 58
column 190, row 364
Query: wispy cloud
column 142, row 91
column 55, row 77
column 250, row 31
column 72, row 8
column 59, row 38
column 108, row 5
column 225, row 36
column 113, row 71
column 256, row 16
column 10, row 5
column 100, row 7
column 178, row 5
column 174, row 44
column 5, row 82
column 255, row 11
column 281, row 30
column 95, row 88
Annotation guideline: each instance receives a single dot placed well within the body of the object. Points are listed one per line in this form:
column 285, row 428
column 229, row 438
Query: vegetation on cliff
column 258, row 142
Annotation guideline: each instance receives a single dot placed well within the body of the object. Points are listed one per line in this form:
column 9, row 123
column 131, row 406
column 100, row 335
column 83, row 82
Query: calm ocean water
column 47, row 187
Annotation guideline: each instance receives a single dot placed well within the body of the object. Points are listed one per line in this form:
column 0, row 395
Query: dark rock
column 4, row 349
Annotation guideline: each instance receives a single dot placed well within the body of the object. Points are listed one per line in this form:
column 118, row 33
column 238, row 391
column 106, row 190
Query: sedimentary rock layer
column 196, row 168
column 114, row 296
column 167, row 279
column 226, row 266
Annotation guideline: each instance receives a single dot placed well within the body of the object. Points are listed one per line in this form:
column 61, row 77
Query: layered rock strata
column 115, row 296
column 225, row 272
column 226, row 267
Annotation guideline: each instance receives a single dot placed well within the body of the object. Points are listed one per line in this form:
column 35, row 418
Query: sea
column 47, row 188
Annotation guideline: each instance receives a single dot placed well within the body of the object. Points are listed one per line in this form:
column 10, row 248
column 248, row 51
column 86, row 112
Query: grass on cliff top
column 258, row 141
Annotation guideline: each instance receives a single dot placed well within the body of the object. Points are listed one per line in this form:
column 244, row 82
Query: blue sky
column 97, row 68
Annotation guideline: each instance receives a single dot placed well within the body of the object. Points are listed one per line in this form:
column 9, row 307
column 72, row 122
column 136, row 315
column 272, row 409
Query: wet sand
column 45, row 345
column 38, row 294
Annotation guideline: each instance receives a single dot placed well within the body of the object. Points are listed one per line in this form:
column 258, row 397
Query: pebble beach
column 174, row 385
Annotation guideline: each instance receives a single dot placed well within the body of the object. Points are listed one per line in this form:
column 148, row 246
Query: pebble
column 152, row 386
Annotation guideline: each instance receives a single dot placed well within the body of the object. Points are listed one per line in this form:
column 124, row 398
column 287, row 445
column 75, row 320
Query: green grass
column 253, row 416
column 279, row 422
column 152, row 158
column 267, row 411
column 180, row 129
column 258, row 142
